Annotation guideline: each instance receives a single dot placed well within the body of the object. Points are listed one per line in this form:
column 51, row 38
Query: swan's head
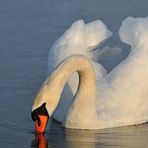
column 44, row 105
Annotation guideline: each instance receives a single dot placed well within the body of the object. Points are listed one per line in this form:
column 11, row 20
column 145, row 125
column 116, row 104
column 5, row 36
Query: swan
column 119, row 98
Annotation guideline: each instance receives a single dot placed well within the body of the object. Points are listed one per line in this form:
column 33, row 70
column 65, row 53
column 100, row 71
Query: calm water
column 27, row 30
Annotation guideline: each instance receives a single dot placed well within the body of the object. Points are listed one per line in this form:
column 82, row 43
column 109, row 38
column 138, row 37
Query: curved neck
column 87, row 83
column 86, row 94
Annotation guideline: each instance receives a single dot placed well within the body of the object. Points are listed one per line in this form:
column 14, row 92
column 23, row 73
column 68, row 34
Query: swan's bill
column 41, row 123
column 40, row 116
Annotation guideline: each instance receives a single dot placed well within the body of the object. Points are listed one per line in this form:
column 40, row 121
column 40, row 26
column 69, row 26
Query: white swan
column 117, row 99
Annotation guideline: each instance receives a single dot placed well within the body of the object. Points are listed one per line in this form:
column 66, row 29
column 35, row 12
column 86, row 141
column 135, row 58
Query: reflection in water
column 82, row 138
column 40, row 141
column 129, row 137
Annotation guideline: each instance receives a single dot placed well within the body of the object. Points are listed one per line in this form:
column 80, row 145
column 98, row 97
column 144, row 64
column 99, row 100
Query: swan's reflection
column 81, row 138
column 40, row 141
column 129, row 137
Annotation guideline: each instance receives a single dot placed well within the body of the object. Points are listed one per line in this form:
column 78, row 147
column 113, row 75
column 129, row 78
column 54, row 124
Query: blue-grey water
column 28, row 28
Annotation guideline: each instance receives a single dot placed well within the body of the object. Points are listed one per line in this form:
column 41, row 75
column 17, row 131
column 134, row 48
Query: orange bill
column 41, row 123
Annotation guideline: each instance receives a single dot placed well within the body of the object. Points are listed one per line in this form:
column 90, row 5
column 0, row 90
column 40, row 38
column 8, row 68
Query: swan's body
column 115, row 99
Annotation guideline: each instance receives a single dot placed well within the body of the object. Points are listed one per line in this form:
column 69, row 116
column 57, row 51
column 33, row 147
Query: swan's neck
column 83, row 108
column 82, row 112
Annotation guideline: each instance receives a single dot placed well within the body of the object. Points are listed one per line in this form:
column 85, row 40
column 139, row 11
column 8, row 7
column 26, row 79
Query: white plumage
column 121, row 94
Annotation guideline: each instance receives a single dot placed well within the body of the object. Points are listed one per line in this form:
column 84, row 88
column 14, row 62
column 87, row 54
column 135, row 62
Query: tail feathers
column 134, row 30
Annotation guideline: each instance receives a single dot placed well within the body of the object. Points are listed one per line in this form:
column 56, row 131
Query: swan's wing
column 134, row 32
column 129, row 79
column 123, row 92
column 80, row 38
column 95, row 33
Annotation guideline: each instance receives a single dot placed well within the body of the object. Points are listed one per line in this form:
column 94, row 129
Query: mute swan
column 117, row 99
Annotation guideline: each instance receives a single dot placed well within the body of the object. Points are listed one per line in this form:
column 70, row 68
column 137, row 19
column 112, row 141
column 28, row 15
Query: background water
column 28, row 28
